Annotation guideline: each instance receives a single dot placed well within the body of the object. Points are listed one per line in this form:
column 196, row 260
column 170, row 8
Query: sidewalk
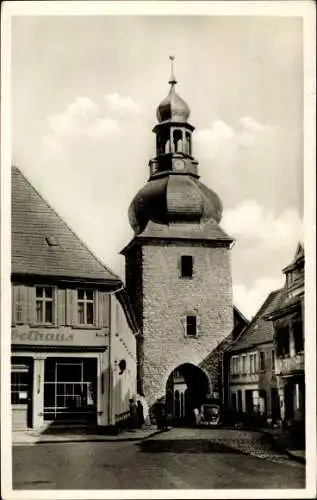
column 32, row 436
column 282, row 442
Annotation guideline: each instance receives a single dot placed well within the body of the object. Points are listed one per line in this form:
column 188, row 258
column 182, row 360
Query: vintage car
column 209, row 415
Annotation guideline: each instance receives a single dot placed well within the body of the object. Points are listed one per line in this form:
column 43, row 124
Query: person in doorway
column 133, row 414
column 140, row 414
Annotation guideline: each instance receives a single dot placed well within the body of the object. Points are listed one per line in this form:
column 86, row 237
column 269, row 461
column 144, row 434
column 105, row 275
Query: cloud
column 122, row 104
column 82, row 118
column 222, row 141
column 250, row 299
column 251, row 221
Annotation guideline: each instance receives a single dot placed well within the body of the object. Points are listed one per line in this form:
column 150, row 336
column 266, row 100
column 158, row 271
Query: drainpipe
column 111, row 326
column 109, row 362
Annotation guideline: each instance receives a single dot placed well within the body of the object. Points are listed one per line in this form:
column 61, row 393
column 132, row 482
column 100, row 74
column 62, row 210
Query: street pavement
column 180, row 458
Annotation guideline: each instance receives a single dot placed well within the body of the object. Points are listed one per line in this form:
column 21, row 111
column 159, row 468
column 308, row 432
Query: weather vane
column 172, row 59
column 172, row 79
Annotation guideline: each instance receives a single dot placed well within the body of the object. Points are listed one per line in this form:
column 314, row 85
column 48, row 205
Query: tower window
column 191, row 326
column 186, row 266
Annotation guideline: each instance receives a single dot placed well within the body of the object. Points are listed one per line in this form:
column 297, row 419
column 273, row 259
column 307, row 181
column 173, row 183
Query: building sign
column 58, row 338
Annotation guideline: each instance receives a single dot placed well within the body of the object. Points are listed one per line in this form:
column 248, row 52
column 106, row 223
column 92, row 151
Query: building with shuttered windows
column 73, row 329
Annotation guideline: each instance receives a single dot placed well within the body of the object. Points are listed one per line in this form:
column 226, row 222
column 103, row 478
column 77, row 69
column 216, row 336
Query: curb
column 281, row 449
column 86, row 440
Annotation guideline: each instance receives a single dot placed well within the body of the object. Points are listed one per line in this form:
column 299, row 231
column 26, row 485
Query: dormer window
column 51, row 241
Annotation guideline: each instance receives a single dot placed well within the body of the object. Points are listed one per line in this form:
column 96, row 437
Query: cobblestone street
column 181, row 458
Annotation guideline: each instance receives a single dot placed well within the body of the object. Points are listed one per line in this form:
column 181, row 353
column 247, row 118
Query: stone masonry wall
column 168, row 298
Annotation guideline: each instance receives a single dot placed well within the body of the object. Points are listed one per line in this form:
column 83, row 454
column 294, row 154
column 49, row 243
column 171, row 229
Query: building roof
column 43, row 244
column 174, row 198
column 259, row 331
column 298, row 257
column 284, row 305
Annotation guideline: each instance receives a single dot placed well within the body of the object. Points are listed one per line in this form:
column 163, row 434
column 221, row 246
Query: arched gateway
column 187, row 388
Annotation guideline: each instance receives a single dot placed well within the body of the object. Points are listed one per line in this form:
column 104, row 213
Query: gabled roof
column 43, row 244
column 298, row 257
column 259, row 330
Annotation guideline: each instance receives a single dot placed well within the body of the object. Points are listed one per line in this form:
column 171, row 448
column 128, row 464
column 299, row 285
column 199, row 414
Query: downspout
column 109, row 362
column 110, row 378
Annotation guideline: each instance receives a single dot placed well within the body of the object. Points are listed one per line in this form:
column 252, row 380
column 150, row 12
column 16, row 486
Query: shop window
column 19, row 384
column 191, row 326
column 85, row 307
column 262, row 361
column 186, row 266
column 44, row 305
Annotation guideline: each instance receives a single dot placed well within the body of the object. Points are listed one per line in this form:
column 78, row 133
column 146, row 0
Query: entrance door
column 240, row 408
column 70, row 390
column 21, row 392
column 248, row 401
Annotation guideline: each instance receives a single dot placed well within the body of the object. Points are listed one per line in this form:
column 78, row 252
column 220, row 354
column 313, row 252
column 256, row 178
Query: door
column 248, row 401
column 21, row 392
column 240, row 408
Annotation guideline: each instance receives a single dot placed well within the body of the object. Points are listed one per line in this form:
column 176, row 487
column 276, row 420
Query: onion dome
column 173, row 107
column 175, row 198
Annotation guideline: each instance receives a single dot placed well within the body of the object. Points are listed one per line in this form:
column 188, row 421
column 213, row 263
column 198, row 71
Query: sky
column 84, row 95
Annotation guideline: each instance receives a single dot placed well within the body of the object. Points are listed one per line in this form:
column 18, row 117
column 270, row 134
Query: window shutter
column 28, row 304
column 60, row 306
column 14, row 304
column 106, row 310
column 71, row 310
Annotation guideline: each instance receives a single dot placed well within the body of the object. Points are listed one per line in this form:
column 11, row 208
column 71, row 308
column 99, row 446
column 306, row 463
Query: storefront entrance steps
column 32, row 436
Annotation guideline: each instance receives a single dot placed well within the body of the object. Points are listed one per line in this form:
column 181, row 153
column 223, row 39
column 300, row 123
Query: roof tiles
column 43, row 244
column 259, row 330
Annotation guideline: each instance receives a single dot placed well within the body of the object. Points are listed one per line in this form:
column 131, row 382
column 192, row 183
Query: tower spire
column 172, row 80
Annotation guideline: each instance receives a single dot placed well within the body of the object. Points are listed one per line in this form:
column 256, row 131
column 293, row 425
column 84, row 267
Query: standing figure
column 133, row 414
column 140, row 414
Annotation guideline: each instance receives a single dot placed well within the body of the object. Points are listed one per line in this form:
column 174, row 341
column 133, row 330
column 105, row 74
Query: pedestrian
column 164, row 416
column 158, row 414
column 133, row 414
column 140, row 414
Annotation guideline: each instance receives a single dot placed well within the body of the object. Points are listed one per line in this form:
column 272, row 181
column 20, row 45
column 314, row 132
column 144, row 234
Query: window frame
column 85, row 302
column 183, row 266
column 262, row 361
column 44, row 300
column 19, row 386
column 192, row 315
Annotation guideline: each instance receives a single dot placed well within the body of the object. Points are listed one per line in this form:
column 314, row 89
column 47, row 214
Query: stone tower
column 178, row 270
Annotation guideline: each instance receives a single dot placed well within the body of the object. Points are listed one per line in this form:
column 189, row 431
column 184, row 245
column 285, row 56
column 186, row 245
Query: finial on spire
column 172, row 79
